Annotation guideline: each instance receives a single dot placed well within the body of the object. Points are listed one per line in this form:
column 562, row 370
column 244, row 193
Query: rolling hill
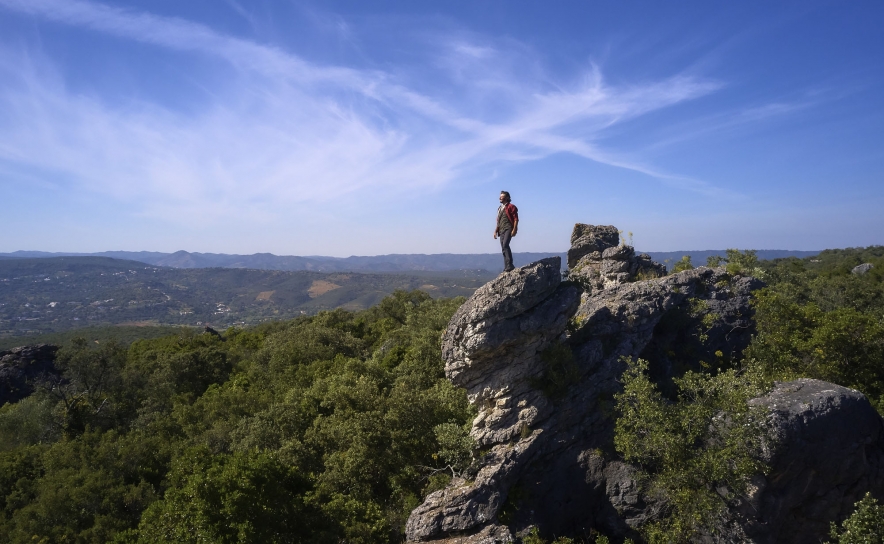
column 63, row 293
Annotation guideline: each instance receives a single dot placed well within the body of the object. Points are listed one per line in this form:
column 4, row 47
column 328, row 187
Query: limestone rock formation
column 861, row 269
column 603, row 263
column 22, row 368
column 586, row 239
column 549, row 460
column 492, row 342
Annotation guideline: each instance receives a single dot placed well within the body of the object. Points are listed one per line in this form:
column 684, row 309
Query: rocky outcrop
column 550, row 458
column 608, row 264
column 493, row 342
column 828, row 452
column 587, row 239
column 861, row 269
column 22, row 368
column 540, row 359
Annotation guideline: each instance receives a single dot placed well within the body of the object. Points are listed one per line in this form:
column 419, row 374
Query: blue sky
column 363, row 128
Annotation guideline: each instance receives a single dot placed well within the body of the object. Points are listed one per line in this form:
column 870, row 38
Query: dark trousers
column 505, row 236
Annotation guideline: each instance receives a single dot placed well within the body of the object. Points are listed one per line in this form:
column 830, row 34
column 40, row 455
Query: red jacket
column 512, row 212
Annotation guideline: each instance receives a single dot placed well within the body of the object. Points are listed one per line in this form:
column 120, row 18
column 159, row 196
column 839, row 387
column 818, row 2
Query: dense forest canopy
column 333, row 427
column 319, row 429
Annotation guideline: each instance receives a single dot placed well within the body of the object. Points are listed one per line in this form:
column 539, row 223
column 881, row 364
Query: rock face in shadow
column 550, row 461
column 22, row 368
column 829, row 452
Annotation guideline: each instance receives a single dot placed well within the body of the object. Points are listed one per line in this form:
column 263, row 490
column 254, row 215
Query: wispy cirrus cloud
column 284, row 130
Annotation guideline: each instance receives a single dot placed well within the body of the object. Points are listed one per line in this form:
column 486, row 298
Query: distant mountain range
column 379, row 263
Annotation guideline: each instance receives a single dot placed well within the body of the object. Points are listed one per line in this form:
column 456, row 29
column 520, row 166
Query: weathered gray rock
column 558, row 453
column 827, row 452
column 601, row 269
column 470, row 507
column 493, row 344
column 23, row 368
column 586, row 239
column 491, row 533
column 550, row 461
column 861, row 269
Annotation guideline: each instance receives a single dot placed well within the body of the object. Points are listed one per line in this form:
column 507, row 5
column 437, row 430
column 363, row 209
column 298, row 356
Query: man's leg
column 505, row 238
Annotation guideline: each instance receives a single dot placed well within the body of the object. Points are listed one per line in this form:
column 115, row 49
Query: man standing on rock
column 506, row 227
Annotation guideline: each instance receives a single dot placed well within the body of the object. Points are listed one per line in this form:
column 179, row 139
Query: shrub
column 683, row 264
column 696, row 453
column 864, row 526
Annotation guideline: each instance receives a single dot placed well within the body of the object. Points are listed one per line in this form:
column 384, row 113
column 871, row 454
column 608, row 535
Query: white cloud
column 286, row 131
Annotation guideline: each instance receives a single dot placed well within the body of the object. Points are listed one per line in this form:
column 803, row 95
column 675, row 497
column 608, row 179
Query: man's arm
column 515, row 226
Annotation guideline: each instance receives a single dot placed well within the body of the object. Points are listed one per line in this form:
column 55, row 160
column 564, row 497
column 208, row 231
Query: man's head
column 504, row 197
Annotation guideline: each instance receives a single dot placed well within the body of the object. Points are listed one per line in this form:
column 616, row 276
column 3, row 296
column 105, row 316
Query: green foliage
column 683, row 264
column 696, row 446
column 90, row 392
column 455, row 446
column 738, row 262
column 85, row 489
column 327, row 428
column 245, row 497
column 820, row 321
column 697, row 453
column 741, row 262
column 28, row 422
column 864, row 526
column 844, row 345
column 714, row 261
column 533, row 537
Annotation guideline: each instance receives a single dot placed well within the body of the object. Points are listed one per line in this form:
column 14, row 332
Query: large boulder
column 493, row 344
column 827, row 451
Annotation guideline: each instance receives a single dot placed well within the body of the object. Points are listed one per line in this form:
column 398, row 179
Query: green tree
column 698, row 452
column 737, row 262
column 741, row 262
column 864, row 526
column 248, row 497
column 90, row 390
column 84, row 489
column 795, row 339
column 714, row 261
column 335, row 420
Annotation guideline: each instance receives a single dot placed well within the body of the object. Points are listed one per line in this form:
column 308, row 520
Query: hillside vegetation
column 815, row 319
column 333, row 427
column 320, row 429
